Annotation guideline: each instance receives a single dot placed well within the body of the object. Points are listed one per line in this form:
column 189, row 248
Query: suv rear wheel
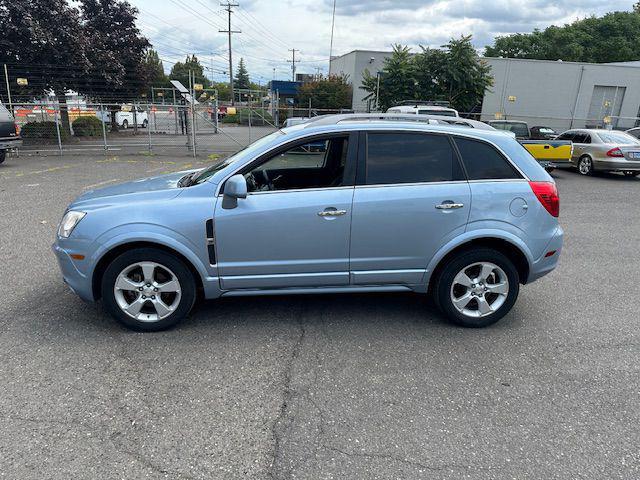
column 148, row 289
column 477, row 287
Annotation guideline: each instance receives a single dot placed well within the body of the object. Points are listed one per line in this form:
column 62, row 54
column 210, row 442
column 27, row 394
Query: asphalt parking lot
column 326, row 387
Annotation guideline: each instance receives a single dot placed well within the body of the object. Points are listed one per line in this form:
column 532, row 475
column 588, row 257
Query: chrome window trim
column 299, row 190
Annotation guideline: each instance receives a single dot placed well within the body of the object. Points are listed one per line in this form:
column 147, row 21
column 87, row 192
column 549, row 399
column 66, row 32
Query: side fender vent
column 211, row 244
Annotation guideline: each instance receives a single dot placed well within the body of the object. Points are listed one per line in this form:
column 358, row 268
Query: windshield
column 208, row 172
column 547, row 130
column 617, row 137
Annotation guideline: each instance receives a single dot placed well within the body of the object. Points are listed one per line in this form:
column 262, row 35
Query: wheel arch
column 111, row 254
column 502, row 245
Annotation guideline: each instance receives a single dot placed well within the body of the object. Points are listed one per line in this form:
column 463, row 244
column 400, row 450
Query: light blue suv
column 341, row 204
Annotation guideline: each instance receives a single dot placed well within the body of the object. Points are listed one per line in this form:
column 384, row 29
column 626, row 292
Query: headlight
column 69, row 222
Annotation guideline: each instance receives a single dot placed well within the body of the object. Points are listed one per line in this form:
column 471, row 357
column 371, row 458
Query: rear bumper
column 616, row 165
column 75, row 280
column 544, row 264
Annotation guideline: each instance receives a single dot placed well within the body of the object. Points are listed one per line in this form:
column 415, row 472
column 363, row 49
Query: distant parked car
column 542, row 133
column 290, row 122
column 126, row 118
column 420, row 109
column 463, row 214
column 551, row 153
column 9, row 135
column 634, row 132
column 597, row 150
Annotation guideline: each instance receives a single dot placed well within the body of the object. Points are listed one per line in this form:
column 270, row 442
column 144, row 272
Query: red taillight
column 547, row 194
column 17, row 128
column 615, row 152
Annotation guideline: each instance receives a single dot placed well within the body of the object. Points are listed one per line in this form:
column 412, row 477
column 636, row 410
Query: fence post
column 249, row 123
column 6, row 77
column 149, row 127
column 215, row 115
column 309, row 107
column 175, row 109
column 104, row 128
column 58, row 130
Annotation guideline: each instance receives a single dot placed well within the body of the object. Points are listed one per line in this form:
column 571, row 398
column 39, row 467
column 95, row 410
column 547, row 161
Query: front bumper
column 74, row 278
column 616, row 165
column 544, row 264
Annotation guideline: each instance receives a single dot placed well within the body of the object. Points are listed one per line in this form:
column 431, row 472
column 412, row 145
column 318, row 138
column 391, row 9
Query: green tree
column 397, row 79
column 41, row 42
column 180, row 71
column 241, row 81
column 455, row 74
column 334, row 92
column 154, row 70
column 613, row 37
column 116, row 52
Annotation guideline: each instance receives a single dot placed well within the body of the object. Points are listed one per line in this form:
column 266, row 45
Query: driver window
column 316, row 164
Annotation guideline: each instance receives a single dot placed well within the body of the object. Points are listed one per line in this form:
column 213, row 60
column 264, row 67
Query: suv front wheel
column 148, row 289
column 477, row 287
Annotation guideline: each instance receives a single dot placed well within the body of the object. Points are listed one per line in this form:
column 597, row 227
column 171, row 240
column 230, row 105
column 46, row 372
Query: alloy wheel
column 147, row 291
column 585, row 166
column 479, row 289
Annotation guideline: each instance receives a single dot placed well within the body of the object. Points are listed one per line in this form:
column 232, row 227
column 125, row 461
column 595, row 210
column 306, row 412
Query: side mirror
column 234, row 188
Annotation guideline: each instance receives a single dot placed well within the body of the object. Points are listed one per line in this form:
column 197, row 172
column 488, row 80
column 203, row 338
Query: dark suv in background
column 9, row 137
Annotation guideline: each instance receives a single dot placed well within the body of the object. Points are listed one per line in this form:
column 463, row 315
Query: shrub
column 87, row 127
column 41, row 130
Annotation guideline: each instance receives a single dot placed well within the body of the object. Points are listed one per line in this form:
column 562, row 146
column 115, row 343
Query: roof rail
column 396, row 117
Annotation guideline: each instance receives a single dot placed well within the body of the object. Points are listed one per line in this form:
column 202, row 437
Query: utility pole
column 293, row 63
column 228, row 7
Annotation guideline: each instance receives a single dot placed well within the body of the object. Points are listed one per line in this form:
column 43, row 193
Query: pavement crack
column 284, row 420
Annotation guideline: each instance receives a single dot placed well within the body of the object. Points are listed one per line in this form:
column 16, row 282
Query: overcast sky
column 270, row 28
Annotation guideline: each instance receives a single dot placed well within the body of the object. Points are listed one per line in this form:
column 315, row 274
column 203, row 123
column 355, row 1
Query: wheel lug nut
column 140, row 288
column 155, row 289
column 153, row 297
column 143, row 297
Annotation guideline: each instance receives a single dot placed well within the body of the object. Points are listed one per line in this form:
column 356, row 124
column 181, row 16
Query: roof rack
column 396, row 117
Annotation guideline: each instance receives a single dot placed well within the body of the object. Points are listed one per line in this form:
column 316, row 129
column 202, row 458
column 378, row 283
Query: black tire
column 125, row 124
column 145, row 123
column 585, row 165
column 445, row 280
column 3, row 155
column 626, row 174
column 165, row 259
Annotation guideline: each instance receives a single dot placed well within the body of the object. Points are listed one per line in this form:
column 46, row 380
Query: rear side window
column 410, row 158
column 566, row 136
column 483, row 161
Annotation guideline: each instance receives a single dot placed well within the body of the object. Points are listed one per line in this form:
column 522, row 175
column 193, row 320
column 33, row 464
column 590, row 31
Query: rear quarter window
column 410, row 158
column 483, row 161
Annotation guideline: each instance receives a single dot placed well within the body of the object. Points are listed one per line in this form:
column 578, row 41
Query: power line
column 229, row 10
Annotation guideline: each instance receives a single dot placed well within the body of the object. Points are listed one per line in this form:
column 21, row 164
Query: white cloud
column 272, row 27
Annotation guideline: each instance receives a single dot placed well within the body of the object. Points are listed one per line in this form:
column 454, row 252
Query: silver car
column 604, row 150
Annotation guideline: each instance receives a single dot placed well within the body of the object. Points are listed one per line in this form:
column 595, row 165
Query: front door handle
column 332, row 213
column 449, row 206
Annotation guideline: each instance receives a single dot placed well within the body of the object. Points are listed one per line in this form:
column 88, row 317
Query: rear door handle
column 332, row 213
column 449, row 206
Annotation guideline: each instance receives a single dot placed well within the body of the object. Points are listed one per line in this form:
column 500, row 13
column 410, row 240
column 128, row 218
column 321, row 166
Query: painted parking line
column 99, row 184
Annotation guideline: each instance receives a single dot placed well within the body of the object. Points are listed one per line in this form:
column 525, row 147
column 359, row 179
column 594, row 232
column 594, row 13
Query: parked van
column 425, row 110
